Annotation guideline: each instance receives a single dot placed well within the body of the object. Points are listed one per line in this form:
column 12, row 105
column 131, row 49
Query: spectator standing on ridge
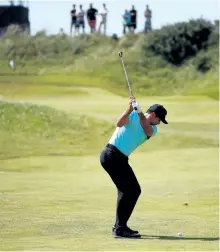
column 126, row 21
column 91, row 16
column 133, row 24
column 80, row 21
column 148, row 16
column 103, row 22
column 73, row 19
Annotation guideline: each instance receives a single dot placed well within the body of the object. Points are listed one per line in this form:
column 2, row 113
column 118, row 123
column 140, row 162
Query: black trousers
column 116, row 165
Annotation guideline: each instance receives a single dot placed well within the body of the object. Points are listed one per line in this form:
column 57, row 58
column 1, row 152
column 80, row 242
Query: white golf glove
column 136, row 107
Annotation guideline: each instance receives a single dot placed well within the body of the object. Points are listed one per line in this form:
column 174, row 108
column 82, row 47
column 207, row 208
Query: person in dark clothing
column 133, row 23
column 91, row 16
column 133, row 129
column 73, row 19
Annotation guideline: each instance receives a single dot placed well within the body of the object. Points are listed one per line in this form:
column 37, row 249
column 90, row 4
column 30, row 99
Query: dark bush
column 180, row 41
column 203, row 63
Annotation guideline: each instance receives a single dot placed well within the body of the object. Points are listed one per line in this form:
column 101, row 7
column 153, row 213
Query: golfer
column 133, row 128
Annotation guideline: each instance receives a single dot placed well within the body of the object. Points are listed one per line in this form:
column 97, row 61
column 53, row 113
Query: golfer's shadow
column 165, row 237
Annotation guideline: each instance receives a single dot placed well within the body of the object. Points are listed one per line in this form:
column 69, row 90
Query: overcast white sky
column 53, row 15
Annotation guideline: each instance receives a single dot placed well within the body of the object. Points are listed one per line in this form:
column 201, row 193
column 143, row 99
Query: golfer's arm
column 145, row 124
column 123, row 119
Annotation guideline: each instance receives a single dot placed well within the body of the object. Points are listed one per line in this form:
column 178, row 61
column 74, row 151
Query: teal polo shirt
column 130, row 136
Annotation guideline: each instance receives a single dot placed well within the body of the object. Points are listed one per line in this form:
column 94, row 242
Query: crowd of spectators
column 129, row 20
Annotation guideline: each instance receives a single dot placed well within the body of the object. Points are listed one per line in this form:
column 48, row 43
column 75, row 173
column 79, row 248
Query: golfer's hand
column 136, row 106
column 132, row 99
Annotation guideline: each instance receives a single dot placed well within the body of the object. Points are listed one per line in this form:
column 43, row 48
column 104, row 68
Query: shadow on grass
column 164, row 237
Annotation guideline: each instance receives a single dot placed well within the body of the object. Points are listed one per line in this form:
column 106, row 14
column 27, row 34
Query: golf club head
column 120, row 54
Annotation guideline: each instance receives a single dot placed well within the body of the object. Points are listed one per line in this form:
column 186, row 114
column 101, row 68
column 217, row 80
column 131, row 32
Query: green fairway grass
column 69, row 203
column 55, row 195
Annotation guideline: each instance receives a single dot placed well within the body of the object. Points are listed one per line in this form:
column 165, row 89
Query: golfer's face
column 154, row 119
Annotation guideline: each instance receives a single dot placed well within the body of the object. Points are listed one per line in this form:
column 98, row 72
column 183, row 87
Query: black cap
column 160, row 112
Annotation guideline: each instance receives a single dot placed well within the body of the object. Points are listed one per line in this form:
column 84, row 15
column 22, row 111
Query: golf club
column 129, row 85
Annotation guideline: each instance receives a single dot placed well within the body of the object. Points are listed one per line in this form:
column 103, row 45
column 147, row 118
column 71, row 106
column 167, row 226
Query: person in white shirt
column 80, row 21
column 104, row 14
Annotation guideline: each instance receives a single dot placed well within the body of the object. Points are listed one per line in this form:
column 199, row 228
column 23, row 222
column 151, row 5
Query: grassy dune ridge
column 93, row 61
column 41, row 130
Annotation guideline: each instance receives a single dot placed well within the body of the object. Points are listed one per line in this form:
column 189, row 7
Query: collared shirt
column 104, row 14
column 80, row 16
column 130, row 136
column 127, row 17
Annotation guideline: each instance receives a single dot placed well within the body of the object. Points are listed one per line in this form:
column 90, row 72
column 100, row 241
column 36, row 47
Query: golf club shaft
column 129, row 86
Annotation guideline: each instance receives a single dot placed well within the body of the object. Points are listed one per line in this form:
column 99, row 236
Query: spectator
column 91, row 16
column 80, row 22
column 148, row 16
column 103, row 22
column 133, row 24
column 73, row 19
column 61, row 32
column 126, row 21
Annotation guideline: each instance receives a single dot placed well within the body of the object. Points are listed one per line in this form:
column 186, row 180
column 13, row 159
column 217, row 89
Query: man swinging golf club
column 133, row 128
